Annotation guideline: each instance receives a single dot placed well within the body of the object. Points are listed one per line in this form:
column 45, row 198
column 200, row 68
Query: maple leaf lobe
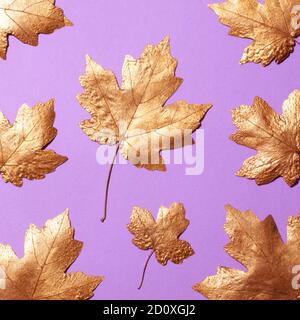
column 161, row 235
column 135, row 113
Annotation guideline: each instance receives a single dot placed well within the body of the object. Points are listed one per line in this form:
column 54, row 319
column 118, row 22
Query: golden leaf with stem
column 26, row 19
column 273, row 26
column 41, row 273
column 161, row 235
column 270, row 262
column 22, row 144
column 275, row 137
column 134, row 115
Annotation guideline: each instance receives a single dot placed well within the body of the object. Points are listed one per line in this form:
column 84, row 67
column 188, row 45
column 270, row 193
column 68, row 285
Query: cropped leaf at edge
column 41, row 273
column 26, row 19
column 270, row 262
column 275, row 137
column 23, row 144
column 273, row 26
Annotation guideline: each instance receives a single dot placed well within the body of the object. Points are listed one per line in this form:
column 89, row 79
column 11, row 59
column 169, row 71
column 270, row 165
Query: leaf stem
column 144, row 270
column 108, row 183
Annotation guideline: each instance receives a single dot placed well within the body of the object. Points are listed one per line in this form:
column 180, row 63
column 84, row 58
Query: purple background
column 208, row 62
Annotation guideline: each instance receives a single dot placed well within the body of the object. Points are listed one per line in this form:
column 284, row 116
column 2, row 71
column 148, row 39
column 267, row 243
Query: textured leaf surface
column 272, row 25
column 26, row 19
column 269, row 261
column 275, row 137
column 161, row 235
column 40, row 273
column 22, row 144
column 135, row 115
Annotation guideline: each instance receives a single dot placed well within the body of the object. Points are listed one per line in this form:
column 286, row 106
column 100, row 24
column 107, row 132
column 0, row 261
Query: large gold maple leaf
column 273, row 26
column 132, row 115
column 26, row 19
column 22, row 144
column 270, row 263
column 275, row 137
column 41, row 273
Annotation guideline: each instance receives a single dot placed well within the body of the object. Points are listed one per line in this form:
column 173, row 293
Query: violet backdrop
column 209, row 64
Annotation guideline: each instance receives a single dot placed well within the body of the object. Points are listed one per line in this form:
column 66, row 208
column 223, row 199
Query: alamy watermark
column 2, row 278
column 296, row 278
column 296, row 17
column 143, row 148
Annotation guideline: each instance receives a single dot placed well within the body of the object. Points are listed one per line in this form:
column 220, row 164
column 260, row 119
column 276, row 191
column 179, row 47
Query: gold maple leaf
column 41, row 273
column 273, row 26
column 26, row 19
column 161, row 235
column 134, row 114
column 22, row 144
column 270, row 262
column 275, row 137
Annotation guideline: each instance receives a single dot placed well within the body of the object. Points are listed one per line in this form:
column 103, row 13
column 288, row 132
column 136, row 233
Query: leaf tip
column 68, row 23
column 98, row 280
column 51, row 102
column 66, row 214
column 228, row 207
column 88, row 58
column 207, row 107
column 239, row 173
column 212, row 6
column 166, row 39
column 196, row 287
column 165, row 44
column 64, row 159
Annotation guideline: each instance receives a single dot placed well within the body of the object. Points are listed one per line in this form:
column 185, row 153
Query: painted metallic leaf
column 273, row 26
column 26, row 19
column 135, row 113
column 41, row 273
column 22, row 144
column 270, row 262
column 161, row 235
column 275, row 137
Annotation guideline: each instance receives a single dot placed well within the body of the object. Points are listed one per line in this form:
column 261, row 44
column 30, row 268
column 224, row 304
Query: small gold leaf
column 273, row 26
column 22, row 144
column 275, row 137
column 40, row 273
column 269, row 261
column 161, row 235
column 26, row 19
